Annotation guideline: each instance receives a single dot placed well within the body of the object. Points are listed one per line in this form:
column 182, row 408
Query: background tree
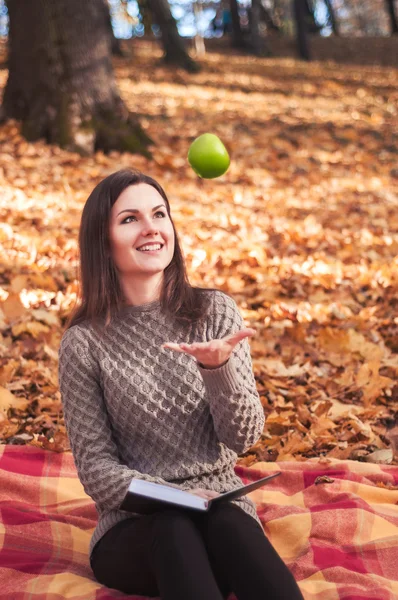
column 61, row 84
column 146, row 16
column 238, row 40
column 393, row 16
column 300, row 9
column 268, row 18
column 175, row 51
column 200, row 47
column 308, row 9
column 115, row 42
column 332, row 20
column 256, row 42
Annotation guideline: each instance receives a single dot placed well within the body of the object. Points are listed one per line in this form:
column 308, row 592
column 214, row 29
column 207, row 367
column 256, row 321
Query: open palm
column 215, row 353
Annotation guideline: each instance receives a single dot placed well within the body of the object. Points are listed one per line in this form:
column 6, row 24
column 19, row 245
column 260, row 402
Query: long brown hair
column 100, row 293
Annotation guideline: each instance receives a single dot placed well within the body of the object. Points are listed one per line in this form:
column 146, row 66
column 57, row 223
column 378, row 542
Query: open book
column 147, row 497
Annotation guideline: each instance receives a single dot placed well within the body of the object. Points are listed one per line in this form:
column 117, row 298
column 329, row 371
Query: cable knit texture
column 134, row 409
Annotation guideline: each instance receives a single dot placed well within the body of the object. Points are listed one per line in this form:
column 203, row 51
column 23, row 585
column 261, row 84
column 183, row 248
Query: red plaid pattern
column 339, row 539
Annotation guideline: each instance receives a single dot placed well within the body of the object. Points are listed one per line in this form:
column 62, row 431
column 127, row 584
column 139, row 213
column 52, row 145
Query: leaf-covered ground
column 302, row 231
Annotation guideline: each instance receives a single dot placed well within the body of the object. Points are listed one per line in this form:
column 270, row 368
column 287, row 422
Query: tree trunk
column 257, row 42
column 238, row 40
column 200, row 47
column 393, row 16
column 4, row 63
column 146, row 16
column 332, row 17
column 61, row 83
column 173, row 45
column 268, row 19
column 115, row 43
column 301, row 28
column 360, row 15
column 312, row 26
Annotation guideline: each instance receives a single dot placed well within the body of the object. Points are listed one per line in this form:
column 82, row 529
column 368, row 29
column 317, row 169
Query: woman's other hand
column 203, row 493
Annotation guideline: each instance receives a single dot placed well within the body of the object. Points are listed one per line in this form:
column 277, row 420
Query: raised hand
column 213, row 354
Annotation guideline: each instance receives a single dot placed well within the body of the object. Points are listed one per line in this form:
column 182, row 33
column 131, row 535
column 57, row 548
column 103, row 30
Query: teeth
column 144, row 248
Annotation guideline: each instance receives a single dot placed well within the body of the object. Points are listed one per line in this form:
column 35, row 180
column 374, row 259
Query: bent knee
column 229, row 516
column 171, row 524
column 225, row 511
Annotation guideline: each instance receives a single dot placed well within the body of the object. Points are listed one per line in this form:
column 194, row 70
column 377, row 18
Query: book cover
column 146, row 497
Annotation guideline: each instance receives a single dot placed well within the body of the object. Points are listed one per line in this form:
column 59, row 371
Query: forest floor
column 302, row 230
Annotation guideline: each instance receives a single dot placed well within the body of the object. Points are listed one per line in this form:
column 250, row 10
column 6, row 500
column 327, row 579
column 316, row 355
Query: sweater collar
column 140, row 308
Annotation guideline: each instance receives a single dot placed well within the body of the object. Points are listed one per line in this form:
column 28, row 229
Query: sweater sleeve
column 104, row 478
column 231, row 391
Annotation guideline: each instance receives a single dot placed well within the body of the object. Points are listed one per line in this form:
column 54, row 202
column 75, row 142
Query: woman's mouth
column 151, row 249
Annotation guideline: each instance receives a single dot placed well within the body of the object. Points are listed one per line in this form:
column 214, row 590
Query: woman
column 156, row 383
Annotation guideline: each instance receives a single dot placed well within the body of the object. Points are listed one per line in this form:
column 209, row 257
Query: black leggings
column 181, row 555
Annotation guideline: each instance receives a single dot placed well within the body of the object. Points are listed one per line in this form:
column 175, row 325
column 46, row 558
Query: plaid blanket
column 340, row 539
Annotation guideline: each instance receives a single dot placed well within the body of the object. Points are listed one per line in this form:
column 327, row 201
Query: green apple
column 208, row 156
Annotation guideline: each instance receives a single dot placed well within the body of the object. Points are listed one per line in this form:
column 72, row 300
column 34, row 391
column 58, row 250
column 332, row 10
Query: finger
column 189, row 349
column 236, row 337
column 213, row 494
column 173, row 346
column 198, row 492
column 195, row 345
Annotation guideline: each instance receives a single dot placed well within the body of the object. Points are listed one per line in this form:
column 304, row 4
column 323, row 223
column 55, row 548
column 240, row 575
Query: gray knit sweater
column 134, row 409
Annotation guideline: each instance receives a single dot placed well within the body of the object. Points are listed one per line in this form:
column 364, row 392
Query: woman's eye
column 159, row 212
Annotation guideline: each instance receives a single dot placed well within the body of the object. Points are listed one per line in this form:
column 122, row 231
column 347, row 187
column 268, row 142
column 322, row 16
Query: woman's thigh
column 229, row 528
column 121, row 559
column 227, row 517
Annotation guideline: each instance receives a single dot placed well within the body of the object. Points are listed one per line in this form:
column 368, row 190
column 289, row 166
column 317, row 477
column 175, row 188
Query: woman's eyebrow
column 135, row 210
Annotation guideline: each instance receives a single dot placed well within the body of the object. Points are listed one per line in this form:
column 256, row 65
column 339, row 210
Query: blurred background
column 302, row 230
column 273, row 18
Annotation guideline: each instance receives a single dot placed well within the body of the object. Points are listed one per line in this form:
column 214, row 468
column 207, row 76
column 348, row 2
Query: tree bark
column 257, row 43
column 393, row 17
column 301, row 28
column 332, row 17
column 61, row 83
column 254, row 19
column 173, row 45
column 238, row 40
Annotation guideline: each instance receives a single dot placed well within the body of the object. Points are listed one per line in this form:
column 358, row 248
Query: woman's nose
column 150, row 227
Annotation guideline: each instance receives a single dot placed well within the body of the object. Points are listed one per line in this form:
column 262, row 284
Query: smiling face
column 139, row 217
